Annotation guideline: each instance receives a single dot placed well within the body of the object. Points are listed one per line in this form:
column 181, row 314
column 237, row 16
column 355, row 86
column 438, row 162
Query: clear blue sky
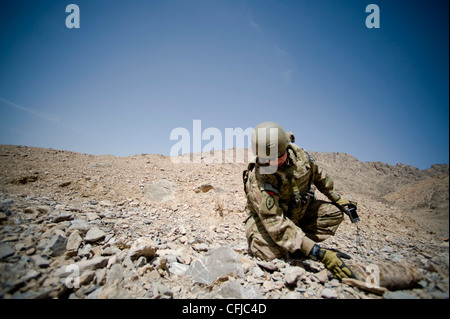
column 136, row 70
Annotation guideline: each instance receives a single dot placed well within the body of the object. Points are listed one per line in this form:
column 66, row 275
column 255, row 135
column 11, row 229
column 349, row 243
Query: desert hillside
column 423, row 194
column 137, row 227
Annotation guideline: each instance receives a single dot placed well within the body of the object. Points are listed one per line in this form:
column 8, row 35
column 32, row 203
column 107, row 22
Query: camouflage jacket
column 280, row 200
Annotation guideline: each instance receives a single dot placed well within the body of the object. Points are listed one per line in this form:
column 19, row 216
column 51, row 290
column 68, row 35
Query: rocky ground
column 82, row 226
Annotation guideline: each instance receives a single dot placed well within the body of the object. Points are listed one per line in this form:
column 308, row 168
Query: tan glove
column 344, row 202
column 332, row 259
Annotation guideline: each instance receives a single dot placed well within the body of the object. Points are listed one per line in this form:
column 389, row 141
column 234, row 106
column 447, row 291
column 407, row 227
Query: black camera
column 352, row 213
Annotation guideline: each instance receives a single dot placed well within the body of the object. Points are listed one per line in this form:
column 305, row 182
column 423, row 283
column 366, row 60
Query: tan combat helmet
column 269, row 141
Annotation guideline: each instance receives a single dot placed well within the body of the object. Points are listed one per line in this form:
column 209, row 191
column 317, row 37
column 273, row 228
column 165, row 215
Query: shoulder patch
column 270, row 202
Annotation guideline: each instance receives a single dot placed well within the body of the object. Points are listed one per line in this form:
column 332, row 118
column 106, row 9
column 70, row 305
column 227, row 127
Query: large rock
column 79, row 224
column 161, row 191
column 293, row 274
column 94, row 234
column 216, row 263
column 56, row 246
column 73, row 243
column 113, row 288
column 143, row 246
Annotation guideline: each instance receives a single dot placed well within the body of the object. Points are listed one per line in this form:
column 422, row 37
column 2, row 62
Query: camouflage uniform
column 284, row 215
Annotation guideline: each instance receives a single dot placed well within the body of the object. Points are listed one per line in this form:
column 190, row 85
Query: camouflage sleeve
column 282, row 230
column 324, row 182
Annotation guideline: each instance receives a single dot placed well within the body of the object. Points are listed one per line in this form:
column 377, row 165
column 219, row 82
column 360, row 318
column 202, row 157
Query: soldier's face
column 279, row 161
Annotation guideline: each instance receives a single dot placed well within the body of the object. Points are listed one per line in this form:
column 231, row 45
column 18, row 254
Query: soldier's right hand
column 332, row 259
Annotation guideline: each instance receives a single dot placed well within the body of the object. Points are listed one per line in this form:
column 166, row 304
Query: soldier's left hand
column 344, row 202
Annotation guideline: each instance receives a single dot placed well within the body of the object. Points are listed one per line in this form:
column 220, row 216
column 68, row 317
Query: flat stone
column 270, row 266
column 214, row 264
column 328, row 293
column 92, row 264
column 6, row 251
column 73, row 243
column 200, row 247
column 87, row 277
column 62, row 217
column 269, row 285
column 177, row 268
column 115, row 275
column 322, row 276
column 161, row 191
column 40, row 261
column 31, row 274
column 85, row 251
column 92, row 216
column 80, row 267
column 258, row 272
column 94, row 234
column 64, row 184
column 79, row 224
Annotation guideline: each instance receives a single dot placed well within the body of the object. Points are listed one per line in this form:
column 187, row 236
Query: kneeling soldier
column 284, row 216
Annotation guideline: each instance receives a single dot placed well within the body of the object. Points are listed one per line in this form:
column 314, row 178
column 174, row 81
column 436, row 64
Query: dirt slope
column 60, row 208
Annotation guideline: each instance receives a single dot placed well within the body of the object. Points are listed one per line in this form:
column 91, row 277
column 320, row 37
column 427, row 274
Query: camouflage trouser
column 320, row 221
